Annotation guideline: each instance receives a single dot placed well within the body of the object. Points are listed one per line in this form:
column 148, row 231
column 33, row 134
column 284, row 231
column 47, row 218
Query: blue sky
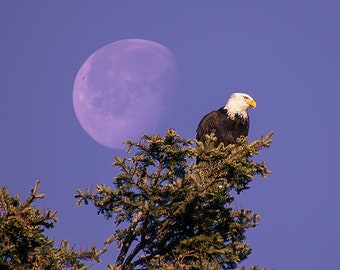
column 283, row 53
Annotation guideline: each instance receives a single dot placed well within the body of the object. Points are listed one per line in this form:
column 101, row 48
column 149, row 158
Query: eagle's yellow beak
column 251, row 102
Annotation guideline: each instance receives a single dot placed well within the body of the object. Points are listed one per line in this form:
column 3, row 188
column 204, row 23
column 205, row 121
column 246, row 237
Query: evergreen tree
column 23, row 244
column 173, row 214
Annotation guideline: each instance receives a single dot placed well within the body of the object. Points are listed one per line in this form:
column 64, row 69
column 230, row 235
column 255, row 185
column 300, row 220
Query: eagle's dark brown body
column 226, row 129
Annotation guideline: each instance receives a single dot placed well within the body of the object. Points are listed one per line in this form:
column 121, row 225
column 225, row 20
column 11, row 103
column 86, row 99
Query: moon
column 123, row 90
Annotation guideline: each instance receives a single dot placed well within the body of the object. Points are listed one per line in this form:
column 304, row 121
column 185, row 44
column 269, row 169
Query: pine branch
column 22, row 242
column 179, row 213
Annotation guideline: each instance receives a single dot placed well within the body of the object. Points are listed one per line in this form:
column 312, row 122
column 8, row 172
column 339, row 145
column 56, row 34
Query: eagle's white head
column 239, row 103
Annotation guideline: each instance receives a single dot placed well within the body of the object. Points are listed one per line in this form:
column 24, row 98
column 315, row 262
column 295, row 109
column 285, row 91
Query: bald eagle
column 229, row 122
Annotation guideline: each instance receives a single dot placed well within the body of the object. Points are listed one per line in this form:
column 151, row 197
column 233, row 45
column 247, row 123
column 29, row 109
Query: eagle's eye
column 246, row 98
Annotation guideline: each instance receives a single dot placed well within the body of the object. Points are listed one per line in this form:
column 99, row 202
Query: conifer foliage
column 23, row 244
column 173, row 214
